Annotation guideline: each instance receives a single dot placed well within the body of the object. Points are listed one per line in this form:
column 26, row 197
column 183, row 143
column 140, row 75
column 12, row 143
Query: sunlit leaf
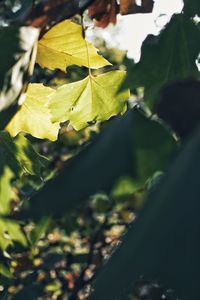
column 34, row 116
column 9, row 232
column 64, row 45
column 94, row 98
column 5, row 190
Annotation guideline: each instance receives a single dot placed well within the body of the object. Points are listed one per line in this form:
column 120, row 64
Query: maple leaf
column 34, row 117
column 104, row 12
column 94, row 98
column 63, row 45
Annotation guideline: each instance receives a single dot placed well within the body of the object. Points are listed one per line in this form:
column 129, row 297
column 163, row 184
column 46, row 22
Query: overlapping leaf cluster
column 92, row 99
column 125, row 160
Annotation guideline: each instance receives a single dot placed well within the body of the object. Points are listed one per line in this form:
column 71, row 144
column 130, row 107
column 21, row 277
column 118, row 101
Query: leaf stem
column 87, row 50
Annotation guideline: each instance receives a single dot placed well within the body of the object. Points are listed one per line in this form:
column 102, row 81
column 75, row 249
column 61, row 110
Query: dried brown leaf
column 130, row 7
column 104, row 12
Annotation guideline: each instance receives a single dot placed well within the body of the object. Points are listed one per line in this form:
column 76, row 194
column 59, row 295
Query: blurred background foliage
column 67, row 206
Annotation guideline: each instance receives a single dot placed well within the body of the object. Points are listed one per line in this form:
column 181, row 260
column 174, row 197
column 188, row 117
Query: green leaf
column 163, row 242
column 39, row 230
column 94, row 98
column 5, row 190
column 64, row 45
column 168, row 57
column 120, row 149
column 192, row 7
column 10, row 231
column 34, row 117
column 5, row 271
column 17, row 57
column 20, row 155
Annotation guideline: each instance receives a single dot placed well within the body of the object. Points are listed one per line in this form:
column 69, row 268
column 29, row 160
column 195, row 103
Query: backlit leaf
column 94, row 98
column 5, row 190
column 163, row 242
column 9, row 232
column 34, row 116
column 64, row 45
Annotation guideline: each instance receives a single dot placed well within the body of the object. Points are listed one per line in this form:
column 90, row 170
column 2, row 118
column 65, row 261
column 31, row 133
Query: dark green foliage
column 163, row 243
column 167, row 57
column 132, row 144
column 39, row 230
column 180, row 102
column 192, row 8
column 20, row 155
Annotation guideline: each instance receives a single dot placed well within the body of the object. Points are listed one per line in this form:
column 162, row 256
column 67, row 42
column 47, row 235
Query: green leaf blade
column 92, row 99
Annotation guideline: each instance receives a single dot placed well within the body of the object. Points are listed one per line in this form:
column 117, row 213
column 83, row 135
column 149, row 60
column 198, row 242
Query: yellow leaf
column 63, row 45
column 34, row 117
column 94, row 98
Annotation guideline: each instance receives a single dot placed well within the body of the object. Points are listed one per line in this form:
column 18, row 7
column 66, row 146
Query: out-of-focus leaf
column 192, row 7
column 5, row 190
column 131, row 7
column 10, row 232
column 14, row 11
column 4, row 271
column 164, row 241
column 34, row 117
column 179, row 106
column 20, row 155
column 124, row 187
column 50, row 12
column 83, row 4
column 94, row 98
column 39, row 230
column 131, row 145
column 63, row 45
column 31, row 292
column 168, row 57
column 17, row 57
column 104, row 12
